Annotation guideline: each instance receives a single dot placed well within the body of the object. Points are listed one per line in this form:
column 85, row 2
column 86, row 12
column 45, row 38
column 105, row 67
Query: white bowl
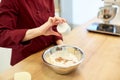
column 63, row 59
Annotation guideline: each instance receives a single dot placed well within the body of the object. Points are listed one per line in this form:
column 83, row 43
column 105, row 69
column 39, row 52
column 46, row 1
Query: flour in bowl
column 63, row 59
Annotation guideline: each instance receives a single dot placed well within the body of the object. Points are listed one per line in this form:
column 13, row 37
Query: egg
column 63, row 28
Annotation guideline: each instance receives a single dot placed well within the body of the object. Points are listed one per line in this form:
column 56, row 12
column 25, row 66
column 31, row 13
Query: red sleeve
column 9, row 34
column 10, row 38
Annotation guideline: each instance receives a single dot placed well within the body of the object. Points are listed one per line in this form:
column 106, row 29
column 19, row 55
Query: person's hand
column 59, row 42
column 55, row 21
column 46, row 28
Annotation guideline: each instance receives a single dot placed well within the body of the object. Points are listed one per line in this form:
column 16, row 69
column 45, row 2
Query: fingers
column 52, row 32
column 56, row 33
column 56, row 20
column 59, row 19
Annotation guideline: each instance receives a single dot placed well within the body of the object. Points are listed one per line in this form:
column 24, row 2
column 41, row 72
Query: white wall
column 79, row 11
column 83, row 10
column 67, row 10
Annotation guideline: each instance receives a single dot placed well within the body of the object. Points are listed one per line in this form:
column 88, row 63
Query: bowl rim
column 81, row 60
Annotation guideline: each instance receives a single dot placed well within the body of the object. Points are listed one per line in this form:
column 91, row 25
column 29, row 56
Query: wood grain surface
column 102, row 58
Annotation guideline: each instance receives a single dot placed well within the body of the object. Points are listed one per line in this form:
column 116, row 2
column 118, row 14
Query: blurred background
column 77, row 12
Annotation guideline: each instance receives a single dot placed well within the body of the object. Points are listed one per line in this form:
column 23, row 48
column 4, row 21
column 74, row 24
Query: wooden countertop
column 102, row 58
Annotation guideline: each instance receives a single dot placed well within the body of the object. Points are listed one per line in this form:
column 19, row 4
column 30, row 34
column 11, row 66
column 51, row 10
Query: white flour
column 63, row 59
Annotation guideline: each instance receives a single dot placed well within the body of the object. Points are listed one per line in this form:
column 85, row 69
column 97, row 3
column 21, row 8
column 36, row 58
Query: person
column 28, row 26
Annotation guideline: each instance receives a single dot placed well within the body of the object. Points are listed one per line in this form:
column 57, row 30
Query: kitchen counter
column 102, row 58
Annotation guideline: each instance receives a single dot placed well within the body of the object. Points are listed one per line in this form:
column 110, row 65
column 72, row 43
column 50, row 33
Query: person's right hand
column 46, row 28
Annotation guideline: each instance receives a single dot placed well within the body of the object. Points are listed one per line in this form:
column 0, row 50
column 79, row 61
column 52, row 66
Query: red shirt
column 16, row 17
